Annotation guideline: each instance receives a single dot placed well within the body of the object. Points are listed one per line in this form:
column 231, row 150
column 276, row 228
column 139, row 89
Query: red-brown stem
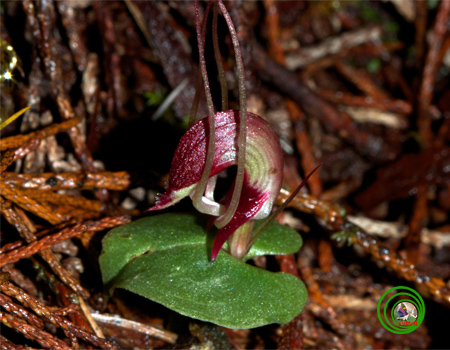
column 198, row 84
column 197, row 198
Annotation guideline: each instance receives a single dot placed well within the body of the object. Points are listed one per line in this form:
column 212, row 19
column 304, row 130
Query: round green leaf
column 276, row 240
column 165, row 258
column 153, row 233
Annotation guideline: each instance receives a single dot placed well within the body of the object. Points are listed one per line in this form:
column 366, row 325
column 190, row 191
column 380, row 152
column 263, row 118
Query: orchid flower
column 216, row 143
column 262, row 177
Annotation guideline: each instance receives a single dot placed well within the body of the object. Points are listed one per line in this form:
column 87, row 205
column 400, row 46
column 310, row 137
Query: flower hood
column 263, row 170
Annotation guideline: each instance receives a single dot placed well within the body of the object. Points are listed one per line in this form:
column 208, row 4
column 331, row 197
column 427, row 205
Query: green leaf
column 276, row 240
column 165, row 258
column 165, row 231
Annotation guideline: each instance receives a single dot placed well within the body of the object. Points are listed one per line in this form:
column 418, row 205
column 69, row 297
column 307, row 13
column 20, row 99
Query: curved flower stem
column 201, row 186
column 198, row 84
column 242, row 138
column 268, row 220
column 218, row 57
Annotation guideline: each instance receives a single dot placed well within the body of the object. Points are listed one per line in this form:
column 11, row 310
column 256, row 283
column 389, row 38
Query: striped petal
column 263, row 169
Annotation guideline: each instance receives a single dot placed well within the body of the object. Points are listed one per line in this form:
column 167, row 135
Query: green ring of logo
column 417, row 302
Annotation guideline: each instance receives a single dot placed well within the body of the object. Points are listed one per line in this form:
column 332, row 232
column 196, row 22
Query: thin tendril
column 242, row 139
column 218, row 57
column 201, row 186
column 267, row 222
column 198, row 86
column 198, row 83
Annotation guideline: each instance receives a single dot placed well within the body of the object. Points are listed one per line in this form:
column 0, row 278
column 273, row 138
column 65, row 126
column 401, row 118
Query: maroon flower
column 213, row 144
column 262, row 176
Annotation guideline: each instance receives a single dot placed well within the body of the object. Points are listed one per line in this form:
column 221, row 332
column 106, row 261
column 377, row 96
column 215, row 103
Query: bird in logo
column 402, row 313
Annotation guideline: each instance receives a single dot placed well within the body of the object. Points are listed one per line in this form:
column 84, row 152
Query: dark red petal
column 189, row 158
column 250, row 203
column 264, row 159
